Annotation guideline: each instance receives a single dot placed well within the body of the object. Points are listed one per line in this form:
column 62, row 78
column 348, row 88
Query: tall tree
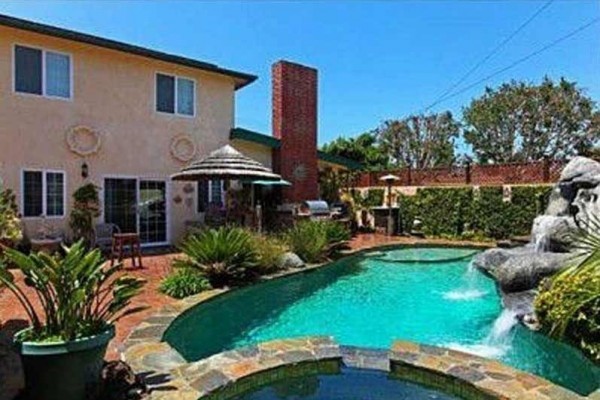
column 523, row 122
column 363, row 148
column 420, row 141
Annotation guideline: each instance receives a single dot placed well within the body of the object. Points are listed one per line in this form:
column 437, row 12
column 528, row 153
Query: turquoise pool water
column 372, row 299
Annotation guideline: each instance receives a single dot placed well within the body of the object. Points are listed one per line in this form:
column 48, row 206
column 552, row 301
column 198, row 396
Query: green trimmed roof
column 274, row 143
column 49, row 30
column 255, row 137
column 339, row 160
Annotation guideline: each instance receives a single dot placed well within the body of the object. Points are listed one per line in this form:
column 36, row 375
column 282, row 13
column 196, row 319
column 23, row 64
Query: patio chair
column 103, row 236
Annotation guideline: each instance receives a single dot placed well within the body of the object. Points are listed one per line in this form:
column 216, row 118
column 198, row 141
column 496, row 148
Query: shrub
column 491, row 215
column 269, row 251
column 568, row 305
column 444, row 211
column 315, row 241
column 459, row 213
column 10, row 225
column 80, row 297
column 86, row 207
column 374, row 197
column 225, row 255
column 527, row 202
column 184, row 282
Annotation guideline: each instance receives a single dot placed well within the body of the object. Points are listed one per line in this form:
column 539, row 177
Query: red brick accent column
column 295, row 124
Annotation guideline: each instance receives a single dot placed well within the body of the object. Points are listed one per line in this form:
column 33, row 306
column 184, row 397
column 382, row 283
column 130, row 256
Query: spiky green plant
column 316, row 241
column 79, row 295
column 184, row 282
column 225, row 256
column 568, row 304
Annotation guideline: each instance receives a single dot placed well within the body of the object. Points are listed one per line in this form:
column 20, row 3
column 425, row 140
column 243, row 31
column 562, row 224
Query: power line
column 520, row 61
column 491, row 53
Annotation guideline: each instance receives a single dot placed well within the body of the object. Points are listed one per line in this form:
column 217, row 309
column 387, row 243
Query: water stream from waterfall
column 539, row 233
column 468, row 290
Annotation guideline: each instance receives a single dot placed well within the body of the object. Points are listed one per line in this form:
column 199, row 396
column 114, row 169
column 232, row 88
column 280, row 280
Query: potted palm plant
column 77, row 300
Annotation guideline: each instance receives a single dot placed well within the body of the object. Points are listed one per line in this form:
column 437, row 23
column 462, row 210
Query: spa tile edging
column 470, row 376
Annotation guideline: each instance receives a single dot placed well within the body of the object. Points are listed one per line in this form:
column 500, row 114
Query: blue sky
column 376, row 60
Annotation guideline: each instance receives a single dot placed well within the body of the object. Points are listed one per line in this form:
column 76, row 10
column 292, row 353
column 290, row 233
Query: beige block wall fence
column 113, row 94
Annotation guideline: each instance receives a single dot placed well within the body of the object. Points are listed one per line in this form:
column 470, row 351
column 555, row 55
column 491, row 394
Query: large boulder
column 290, row 260
column 525, row 271
column 489, row 260
column 552, row 233
column 587, row 204
column 581, row 169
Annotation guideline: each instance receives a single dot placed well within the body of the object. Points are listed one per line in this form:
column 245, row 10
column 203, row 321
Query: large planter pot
column 63, row 370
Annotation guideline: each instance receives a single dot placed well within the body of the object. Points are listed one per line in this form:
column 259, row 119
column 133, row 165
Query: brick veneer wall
column 500, row 174
column 295, row 124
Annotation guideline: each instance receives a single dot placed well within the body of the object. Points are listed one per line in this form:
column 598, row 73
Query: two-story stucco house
column 76, row 108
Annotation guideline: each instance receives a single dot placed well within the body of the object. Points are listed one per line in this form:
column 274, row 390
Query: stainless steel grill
column 315, row 209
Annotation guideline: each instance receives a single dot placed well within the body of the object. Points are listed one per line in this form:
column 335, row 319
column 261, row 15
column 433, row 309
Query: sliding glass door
column 137, row 205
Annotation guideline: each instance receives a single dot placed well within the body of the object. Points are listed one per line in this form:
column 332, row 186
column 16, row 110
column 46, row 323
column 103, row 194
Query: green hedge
column 464, row 213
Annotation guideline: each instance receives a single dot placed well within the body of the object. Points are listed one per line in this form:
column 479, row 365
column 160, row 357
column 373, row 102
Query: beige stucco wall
column 114, row 94
column 260, row 153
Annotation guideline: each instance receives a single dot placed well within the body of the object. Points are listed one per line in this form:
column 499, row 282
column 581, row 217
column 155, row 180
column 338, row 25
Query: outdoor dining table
column 120, row 241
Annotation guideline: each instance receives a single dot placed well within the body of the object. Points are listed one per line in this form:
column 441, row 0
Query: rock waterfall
column 519, row 271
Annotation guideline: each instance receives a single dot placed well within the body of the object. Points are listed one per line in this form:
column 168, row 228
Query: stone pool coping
column 231, row 373
column 172, row 377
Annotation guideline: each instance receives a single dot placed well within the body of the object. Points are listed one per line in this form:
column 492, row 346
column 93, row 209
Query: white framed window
column 43, row 193
column 42, row 72
column 210, row 193
column 175, row 95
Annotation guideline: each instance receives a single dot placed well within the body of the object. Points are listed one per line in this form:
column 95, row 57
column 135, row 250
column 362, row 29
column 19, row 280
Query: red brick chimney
column 295, row 124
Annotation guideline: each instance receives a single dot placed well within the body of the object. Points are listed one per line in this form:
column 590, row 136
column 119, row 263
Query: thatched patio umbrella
column 226, row 163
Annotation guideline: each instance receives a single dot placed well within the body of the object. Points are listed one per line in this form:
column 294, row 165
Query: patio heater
column 389, row 180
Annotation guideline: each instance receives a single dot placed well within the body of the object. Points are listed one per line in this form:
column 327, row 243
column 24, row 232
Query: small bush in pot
column 225, row 256
column 80, row 299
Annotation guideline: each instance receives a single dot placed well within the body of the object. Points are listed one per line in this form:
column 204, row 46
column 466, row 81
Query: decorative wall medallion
column 177, row 199
column 183, row 148
column 299, row 172
column 83, row 141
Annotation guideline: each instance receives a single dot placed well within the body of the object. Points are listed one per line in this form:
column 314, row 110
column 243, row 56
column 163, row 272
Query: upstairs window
column 43, row 193
column 175, row 95
column 42, row 72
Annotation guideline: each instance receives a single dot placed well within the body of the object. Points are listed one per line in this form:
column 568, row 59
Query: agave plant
column 568, row 304
column 78, row 294
column 224, row 256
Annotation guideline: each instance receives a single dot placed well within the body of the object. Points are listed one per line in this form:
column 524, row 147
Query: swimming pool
column 426, row 295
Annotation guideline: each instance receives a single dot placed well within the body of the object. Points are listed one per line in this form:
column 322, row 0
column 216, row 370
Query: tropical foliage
column 317, row 241
column 79, row 296
column 184, row 282
column 86, row 207
column 225, row 256
column 568, row 304
column 10, row 224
